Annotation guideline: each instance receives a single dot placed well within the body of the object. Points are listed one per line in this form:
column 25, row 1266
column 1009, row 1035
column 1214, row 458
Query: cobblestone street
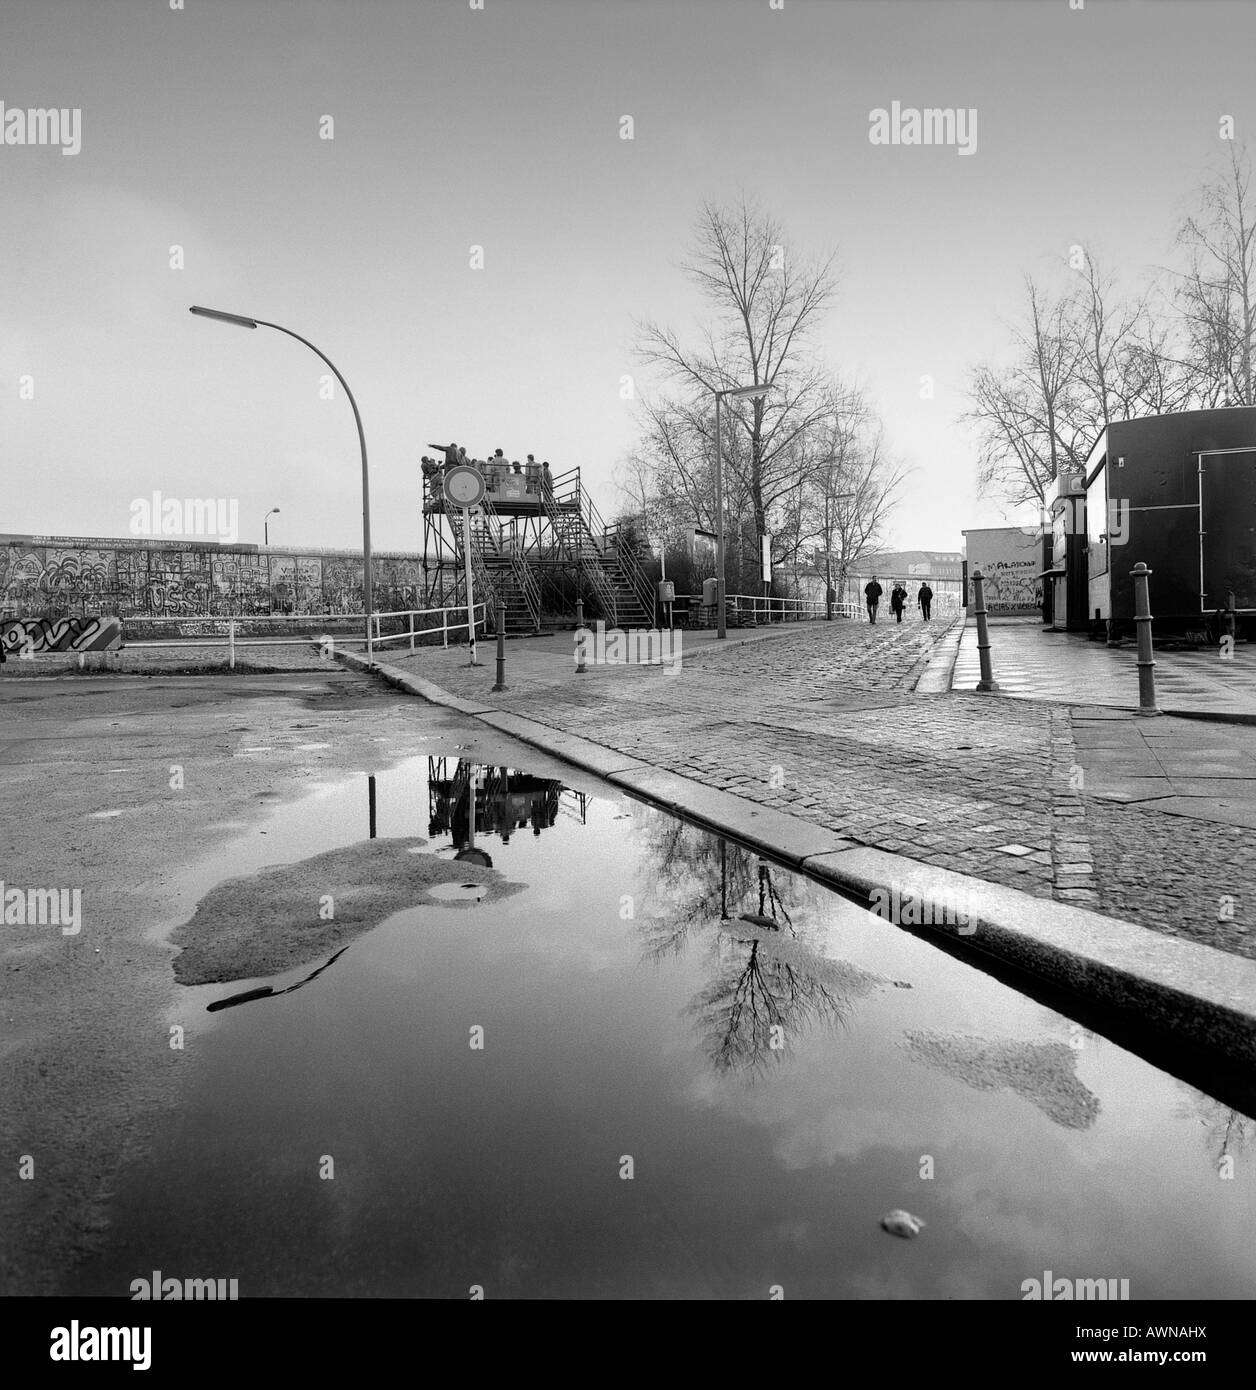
column 821, row 721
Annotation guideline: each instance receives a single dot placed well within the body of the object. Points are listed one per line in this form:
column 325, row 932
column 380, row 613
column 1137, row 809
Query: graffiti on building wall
column 60, row 635
column 1011, row 562
column 1013, row 587
column 69, row 580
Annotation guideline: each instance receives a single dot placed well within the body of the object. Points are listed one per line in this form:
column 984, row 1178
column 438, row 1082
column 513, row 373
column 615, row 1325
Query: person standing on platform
column 450, row 451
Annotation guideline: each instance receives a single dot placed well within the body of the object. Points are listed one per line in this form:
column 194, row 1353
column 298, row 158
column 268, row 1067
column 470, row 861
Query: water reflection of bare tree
column 1227, row 1132
column 696, row 879
column 766, row 992
column 768, row 986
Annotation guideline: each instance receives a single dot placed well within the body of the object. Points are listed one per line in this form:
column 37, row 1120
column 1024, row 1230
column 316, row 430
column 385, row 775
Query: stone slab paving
column 1095, row 807
column 1031, row 662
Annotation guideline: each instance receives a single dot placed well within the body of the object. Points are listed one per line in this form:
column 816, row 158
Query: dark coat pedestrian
column 872, row 592
column 924, row 598
column 898, row 597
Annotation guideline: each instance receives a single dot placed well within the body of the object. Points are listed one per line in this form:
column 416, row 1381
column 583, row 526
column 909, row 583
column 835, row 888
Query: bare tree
column 1025, row 414
column 1107, row 328
column 767, row 301
column 849, row 486
column 1217, row 294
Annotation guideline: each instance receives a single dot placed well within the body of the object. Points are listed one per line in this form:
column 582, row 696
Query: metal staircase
column 609, row 567
column 507, row 579
column 522, row 542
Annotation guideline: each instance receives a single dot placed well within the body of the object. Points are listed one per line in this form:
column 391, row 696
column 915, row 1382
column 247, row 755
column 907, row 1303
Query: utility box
column 710, row 592
column 1070, row 604
column 1177, row 492
column 667, row 591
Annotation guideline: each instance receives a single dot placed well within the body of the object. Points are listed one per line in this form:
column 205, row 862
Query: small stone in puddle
column 457, row 892
column 901, row 984
column 902, row 1223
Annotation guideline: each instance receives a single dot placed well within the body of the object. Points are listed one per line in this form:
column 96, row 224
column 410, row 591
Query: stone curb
column 937, row 676
column 1178, row 989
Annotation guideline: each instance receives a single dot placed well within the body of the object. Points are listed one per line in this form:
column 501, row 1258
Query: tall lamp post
column 828, row 554
column 274, row 511
column 736, row 393
column 368, row 597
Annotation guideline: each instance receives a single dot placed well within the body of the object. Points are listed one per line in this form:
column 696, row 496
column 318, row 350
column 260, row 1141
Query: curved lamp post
column 274, row 511
column 367, row 590
column 736, row 393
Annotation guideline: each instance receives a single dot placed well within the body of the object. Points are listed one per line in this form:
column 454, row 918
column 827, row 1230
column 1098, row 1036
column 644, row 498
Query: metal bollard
column 501, row 647
column 987, row 681
column 581, row 665
column 1146, row 665
column 231, row 645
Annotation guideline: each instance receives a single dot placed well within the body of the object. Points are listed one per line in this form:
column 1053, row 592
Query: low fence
column 444, row 626
column 756, row 609
column 782, row 610
column 232, row 634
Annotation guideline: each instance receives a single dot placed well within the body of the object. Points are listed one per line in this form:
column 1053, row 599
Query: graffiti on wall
column 70, row 579
column 60, row 635
column 1011, row 562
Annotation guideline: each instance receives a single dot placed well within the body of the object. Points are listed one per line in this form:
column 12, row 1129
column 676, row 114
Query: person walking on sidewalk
column 872, row 592
column 924, row 598
column 898, row 597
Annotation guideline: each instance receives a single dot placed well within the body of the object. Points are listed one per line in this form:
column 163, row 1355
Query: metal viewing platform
column 538, row 543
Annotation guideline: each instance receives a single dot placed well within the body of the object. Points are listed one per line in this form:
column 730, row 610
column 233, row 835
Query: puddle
column 658, row 1067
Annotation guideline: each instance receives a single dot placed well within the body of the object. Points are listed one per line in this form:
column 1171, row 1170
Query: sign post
column 464, row 488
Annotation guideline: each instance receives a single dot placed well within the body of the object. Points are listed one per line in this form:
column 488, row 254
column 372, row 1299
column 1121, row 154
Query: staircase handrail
column 638, row 583
column 519, row 569
column 479, row 567
column 630, row 562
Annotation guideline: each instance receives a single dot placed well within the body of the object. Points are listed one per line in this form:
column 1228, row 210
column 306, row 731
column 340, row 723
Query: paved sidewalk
column 1031, row 662
column 824, row 722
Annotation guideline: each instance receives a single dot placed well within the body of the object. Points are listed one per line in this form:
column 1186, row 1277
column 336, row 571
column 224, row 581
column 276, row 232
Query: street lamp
column 828, row 554
column 368, row 598
column 737, row 393
column 274, row 511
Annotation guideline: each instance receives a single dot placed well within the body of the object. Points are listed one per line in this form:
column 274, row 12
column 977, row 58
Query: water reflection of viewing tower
column 506, row 801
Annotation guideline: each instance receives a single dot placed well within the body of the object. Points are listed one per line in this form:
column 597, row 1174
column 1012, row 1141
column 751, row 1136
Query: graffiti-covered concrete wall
column 72, row 576
column 1010, row 558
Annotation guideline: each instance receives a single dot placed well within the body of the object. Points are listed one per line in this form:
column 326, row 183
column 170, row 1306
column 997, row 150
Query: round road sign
column 464, row 486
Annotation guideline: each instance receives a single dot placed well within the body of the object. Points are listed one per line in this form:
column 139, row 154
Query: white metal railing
column 777, row 610
column 479, row 618
column 231, row 641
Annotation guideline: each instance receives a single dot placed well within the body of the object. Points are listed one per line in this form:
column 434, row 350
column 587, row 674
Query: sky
column 499, row 127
